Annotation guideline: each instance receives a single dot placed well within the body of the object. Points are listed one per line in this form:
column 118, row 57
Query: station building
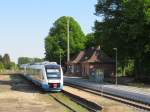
column 92, row 61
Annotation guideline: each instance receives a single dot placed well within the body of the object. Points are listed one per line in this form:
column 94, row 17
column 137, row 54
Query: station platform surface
column 136, row 93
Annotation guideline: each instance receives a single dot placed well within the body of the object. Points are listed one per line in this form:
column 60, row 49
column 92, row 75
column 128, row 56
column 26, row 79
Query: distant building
column 91, row 61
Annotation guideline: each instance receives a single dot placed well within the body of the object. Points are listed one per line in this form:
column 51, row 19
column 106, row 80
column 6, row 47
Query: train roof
column 52, row 66
column 45, row 63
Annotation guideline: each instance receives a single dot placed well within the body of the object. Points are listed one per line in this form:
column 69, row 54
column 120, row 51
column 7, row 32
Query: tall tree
column 37, row 60
column 6, row 61
column 1, row 63
column 90, row 40
column 107, row 32
column 126, row 26
column 56, row 41
column 24, row 60
column 1, row 66
column 1, row 58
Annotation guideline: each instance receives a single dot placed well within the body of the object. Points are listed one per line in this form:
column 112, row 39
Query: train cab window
column 53, row 73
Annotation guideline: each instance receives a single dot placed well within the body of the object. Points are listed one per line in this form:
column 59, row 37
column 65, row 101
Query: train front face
column 54, row 77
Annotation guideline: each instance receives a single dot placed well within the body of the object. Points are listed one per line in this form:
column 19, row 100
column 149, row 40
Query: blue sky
column 25, row 23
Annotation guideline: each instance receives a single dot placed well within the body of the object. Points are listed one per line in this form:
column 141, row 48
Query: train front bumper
column 47, row 87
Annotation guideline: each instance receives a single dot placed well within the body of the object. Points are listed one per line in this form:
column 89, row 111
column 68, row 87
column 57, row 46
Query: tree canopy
column 125, row 25
column 25, row 60
column 1, row 66
column 90, row 37
column 56, row 41
column 5, row 63
column 6, row 59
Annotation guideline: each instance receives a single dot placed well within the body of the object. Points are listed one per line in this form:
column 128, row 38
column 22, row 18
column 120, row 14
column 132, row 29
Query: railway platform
column 107, row 105
column 129, row 92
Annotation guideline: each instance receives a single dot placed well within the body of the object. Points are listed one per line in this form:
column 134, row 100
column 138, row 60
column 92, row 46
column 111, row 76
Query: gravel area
column 19, row 95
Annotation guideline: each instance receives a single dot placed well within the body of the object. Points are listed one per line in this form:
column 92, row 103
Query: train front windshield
column 53, row 73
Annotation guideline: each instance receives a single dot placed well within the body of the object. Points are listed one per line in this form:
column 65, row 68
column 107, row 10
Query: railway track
column 137, row 105
column 90, row 106
column 54, row 96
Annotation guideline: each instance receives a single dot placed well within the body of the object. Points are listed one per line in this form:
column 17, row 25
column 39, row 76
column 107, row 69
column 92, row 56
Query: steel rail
column 90, row 106
column 55, row 98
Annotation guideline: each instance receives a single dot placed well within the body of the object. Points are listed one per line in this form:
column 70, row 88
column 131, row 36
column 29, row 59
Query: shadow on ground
column 19, row 83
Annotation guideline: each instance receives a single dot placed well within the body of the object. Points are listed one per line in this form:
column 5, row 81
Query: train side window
column 41, row 74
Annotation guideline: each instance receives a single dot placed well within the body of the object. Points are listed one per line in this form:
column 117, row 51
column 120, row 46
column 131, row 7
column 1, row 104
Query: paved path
column 127, row 91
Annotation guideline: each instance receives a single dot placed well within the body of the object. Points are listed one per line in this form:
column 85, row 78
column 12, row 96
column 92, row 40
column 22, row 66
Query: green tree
column 147, row 10
column 13, row 66
column 24, row 60
column 90, row 40
column 37, row 60
column 1, row 67
column 56, row 41
column 1, row 58
column 126, row 26
column 110, row 32
column 6, row 61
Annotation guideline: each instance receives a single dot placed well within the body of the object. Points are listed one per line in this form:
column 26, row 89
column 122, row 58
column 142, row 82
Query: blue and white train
column 47, row 75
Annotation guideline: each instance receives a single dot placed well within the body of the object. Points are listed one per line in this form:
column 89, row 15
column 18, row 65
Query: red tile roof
column 92, row 55
column 78, row 57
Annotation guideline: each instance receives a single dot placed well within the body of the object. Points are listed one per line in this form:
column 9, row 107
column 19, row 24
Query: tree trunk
column 123, row 70
column 138, row 68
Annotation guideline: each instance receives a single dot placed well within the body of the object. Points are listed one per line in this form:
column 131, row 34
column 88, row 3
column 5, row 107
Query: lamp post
column 116, row 81
column 68, row 44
